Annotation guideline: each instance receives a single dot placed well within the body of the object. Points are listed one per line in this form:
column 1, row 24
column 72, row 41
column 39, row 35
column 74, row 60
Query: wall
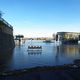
column 6, row 37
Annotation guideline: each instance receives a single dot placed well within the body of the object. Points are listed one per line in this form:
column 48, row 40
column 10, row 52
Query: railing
column 1, row 19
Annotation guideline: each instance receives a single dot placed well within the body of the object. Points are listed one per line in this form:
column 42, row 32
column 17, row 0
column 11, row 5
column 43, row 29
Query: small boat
column 34, row 47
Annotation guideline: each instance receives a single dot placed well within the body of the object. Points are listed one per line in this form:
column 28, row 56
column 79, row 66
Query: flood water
column 51, row 54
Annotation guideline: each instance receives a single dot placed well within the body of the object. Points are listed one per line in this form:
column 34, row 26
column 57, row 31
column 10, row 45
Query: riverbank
column 64, row 72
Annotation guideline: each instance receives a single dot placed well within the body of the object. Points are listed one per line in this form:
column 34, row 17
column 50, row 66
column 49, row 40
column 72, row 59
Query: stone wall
column 6, row 37
column 5, row 28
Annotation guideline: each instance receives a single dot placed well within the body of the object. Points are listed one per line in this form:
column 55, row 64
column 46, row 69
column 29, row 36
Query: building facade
column 6, row 36
column 68, row 37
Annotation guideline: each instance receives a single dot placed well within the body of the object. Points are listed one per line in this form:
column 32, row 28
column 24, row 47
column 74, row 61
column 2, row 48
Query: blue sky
column 41, row 18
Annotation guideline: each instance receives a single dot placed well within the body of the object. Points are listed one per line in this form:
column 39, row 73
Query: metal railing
column 5, row 22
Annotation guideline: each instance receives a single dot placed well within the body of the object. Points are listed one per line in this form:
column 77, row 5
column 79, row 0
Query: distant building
column 68, row 37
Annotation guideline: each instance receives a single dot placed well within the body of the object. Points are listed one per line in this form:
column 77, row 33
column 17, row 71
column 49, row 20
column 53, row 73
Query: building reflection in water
column 67, row 51
column 5, row 58
column 34, row 52
column 57, row 53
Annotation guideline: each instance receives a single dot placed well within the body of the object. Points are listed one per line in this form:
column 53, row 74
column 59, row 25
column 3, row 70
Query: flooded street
column 51, row 54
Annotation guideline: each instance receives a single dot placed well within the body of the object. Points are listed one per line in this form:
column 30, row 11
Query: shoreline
column 40, row 69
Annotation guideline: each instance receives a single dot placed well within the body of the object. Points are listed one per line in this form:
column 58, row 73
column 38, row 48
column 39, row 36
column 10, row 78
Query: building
column 6, row 35
column 68, row 37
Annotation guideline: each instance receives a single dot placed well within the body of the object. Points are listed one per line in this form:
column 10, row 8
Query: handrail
column 1, row 19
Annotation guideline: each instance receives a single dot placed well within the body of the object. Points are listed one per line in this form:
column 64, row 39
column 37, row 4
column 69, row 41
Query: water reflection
column 17, row 42
column 67, row 53
column 68, row 49
column 5, row 58
column 34, row 52
column 50, row 55
column 57, row 53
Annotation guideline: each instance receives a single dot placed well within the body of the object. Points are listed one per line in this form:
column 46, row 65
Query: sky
column 41, row 18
